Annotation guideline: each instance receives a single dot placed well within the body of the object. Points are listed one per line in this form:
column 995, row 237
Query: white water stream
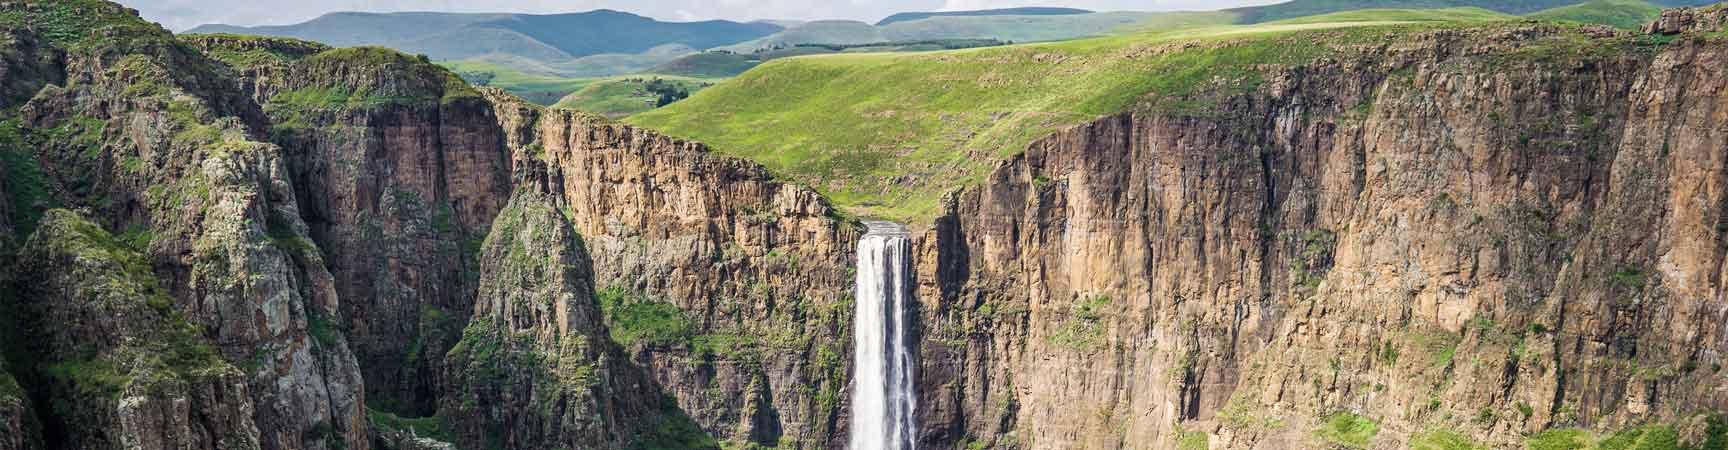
column 883, row 397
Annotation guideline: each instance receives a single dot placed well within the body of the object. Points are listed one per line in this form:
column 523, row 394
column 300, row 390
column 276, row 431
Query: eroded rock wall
column 152, row 141
column 758, row 270
column 1491, row 232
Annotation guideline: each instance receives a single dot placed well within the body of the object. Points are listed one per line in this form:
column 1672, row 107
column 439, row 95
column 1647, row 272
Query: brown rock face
column 1447, row 232
column 535, row 368
column 1688, row 20
column 758, row 269
column 150, row 138
column 27, row 63
column 126, row 371
column 400, row 168
column 17, row 427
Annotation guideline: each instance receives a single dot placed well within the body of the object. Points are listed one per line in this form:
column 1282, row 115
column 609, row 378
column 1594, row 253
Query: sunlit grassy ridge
column 885, row 135
column 1619, row 13
column 1465, row 14
column 537, row 88
column 624, row 95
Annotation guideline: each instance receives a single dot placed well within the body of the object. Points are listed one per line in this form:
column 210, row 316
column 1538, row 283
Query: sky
column 183, row 14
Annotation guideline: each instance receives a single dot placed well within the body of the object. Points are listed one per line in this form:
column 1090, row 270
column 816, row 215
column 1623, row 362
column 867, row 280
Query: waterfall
column 883, row 397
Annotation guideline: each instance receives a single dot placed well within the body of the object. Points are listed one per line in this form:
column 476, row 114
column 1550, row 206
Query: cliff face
column 535, row 367
column 124, row 369
column 146, row 135
column 400, row 168
column 1477, row 233
column 731, row 289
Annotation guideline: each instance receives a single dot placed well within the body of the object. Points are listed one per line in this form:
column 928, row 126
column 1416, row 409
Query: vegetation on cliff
column 1628, row 14
column 885, row 135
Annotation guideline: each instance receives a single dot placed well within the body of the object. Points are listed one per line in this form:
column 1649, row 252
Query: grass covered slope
column 1628, row 14
column 885, row 135
column 1463, row 14
column 625, row 95
column 537, row 88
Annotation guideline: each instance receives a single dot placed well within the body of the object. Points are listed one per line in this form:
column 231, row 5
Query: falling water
column 882, row 396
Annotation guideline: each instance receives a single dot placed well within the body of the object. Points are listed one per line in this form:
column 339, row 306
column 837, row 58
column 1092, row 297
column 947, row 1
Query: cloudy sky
column 183, row 14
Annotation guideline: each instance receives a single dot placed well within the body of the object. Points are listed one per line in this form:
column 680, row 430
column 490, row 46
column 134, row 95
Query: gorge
column 1506, row 234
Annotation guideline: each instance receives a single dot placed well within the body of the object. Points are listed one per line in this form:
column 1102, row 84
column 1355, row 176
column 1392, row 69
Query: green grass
column 245, row 51
column 1560, row 439
column 81, row 24
column 634, row 319
column 1083, row 330
column 1655, row 436
column 621, row 96
column 538, row 88
column 1649, row 437
column 1192, row 440
column 886, row 134
column 25, row 184
column 1627, row 14
column 1348, row 430
column 1465, row 14
column 426, row 427
column 1304, row 8
column 1444, row 440
column 708, row 65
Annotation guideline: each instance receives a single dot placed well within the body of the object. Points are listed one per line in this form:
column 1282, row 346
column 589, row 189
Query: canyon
column 1487, row 234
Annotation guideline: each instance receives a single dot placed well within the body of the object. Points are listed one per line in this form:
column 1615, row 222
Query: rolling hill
column 1016, row 28
column 621, row 96
column 1618, row 13
column 1026, row 11
column 886, row 134
column 554, row 37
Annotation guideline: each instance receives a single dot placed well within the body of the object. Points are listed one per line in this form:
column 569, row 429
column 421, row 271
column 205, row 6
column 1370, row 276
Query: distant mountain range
column 554, row 37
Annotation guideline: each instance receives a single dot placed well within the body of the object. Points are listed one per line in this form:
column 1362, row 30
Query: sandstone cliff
column 1449, row 234
column 400, row 167
column 535, row 367
column 732, row 289
column 123, row 368
column 147, row 135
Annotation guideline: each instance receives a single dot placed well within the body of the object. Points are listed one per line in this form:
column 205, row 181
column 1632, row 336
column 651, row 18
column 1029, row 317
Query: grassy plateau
column 886, row 134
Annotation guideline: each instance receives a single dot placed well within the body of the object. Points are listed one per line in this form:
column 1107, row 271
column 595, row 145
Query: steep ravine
column 1476, row 232
column 1473, row 234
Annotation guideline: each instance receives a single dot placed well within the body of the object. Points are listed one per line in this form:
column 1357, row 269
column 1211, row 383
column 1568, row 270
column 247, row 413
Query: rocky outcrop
column 400, row 167
column 535, row 367
column 1690, row 20
column 262, row 65
column 1481, row 233
column 124, row 369
column 17, row 430
column 732, row 289
column 27, row 64
column 153, row 140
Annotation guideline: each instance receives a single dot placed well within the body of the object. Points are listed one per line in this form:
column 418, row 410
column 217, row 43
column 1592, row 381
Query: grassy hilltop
column 886, row 135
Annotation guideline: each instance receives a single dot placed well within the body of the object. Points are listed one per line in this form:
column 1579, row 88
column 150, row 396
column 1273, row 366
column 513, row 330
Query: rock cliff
column 151, row 139
column 400, row 167
column 1462, row 234
column 731, row 288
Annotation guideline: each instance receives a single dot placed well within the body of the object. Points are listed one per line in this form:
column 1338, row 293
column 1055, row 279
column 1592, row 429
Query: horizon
column 182, row 15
